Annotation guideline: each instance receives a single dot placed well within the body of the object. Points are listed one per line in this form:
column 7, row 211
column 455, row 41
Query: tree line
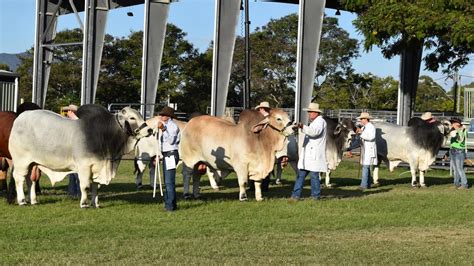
column 185, row 76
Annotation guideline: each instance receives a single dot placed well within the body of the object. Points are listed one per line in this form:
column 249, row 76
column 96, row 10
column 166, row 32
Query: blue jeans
column 315, row 186
column 457, row 162
column 170, row 183
column 73, row 188
column 366, row 179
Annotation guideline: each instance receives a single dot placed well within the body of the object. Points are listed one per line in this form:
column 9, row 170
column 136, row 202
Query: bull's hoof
column 96, row 206
column 423, row 186
column 216, row 189
column 22, row 203
column 329, row 185
column 260, row 199
column 34, row 203
column 84, row 206
column 243, row 198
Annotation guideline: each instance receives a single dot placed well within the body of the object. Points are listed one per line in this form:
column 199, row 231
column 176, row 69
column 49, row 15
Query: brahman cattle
column 338, row 139
column 91, row 146
column 416, row 144
column 248, row 147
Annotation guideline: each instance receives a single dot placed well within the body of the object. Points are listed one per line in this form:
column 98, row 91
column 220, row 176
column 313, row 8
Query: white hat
column 313, row 107
column 263, row 105
column 427, row 116
column 364, row 115
column 70, row 107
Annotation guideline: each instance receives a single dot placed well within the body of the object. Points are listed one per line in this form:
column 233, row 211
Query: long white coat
column 313, row 154
column 369, row 154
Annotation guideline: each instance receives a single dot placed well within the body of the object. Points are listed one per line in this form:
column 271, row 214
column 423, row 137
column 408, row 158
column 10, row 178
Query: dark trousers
column 170, row 181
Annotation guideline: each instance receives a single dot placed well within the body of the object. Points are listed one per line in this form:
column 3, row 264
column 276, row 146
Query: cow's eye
column 132, row 118
column 278, row 119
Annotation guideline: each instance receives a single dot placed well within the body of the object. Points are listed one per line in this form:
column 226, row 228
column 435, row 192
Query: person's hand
column 358, row 130
column 161, row 125
column 284, row 161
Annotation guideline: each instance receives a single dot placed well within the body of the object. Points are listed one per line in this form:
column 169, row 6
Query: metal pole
column 246, row 94
column 455, row 93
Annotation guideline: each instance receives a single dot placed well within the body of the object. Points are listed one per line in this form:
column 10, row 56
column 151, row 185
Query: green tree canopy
column 446, row 29
column 273, row 70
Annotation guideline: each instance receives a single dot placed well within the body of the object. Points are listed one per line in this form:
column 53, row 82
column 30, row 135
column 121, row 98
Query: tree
column 431, row 96
column 274, row 59
column 4, row 67
column 120, row 72
column 445, row 28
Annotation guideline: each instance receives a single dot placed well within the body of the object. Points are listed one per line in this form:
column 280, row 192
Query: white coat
column 313, row 154
column 369, row 148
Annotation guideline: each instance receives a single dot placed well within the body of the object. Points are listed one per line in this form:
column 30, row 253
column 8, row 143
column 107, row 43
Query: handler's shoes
column 462, row 188
column 187, row 196
column 278, row 181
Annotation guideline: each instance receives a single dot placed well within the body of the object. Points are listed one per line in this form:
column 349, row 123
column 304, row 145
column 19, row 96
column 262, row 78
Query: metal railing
column 116, row 107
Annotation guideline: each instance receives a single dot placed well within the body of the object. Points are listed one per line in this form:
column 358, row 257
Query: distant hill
column 11, row 60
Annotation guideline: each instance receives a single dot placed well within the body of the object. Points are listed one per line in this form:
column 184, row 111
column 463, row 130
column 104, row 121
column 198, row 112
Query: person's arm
column 368, row 134
column 314, row 129
column 170, row 133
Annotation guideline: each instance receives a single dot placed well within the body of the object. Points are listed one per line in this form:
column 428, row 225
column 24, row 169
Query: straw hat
column 427, row 116
column 313, row 107
column 167, row 111
column 70, row 107
column 263, row 105
column 364, row 115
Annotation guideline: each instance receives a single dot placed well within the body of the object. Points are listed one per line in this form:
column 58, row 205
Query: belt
column 169, row 153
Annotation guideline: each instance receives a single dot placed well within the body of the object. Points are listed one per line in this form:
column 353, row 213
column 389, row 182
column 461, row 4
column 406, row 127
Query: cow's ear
column 260, row 126
column 338, row 129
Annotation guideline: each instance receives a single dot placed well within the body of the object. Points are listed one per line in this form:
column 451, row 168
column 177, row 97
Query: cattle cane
column 157, row 170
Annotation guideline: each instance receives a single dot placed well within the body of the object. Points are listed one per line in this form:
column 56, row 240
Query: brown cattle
column 248, row 148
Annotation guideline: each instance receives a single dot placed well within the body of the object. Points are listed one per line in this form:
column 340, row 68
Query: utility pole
column 246, row 92
column 456, row 93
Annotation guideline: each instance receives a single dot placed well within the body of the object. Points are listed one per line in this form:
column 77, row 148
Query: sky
column 196, row 18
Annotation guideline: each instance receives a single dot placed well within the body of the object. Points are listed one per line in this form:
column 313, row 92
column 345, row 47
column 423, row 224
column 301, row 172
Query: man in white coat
column 312, row 159
column 369, row 148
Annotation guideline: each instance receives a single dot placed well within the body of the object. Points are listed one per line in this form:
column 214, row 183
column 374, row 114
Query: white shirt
column 170, row 137
column 369, row 147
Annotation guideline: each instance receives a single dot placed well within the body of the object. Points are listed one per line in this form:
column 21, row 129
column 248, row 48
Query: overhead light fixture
column 130, row 14
column 338, row 13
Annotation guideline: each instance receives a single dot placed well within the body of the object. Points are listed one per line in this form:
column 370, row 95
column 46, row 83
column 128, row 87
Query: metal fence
column 468, row 103
column 116, row 107
column 8, row 95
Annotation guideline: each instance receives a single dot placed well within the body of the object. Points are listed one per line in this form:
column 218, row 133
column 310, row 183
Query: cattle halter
column 279, row 130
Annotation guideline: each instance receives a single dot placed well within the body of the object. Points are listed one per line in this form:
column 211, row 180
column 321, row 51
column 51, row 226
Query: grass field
column 390, row 224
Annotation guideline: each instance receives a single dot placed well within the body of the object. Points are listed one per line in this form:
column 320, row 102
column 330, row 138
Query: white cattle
column 91, row 146
column 417, row 145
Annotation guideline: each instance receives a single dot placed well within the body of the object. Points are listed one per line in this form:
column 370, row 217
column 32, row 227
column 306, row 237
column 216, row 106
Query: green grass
column 390, row 224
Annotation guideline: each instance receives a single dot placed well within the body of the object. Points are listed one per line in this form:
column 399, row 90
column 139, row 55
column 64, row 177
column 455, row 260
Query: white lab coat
column 313, row 154
column 369, row 148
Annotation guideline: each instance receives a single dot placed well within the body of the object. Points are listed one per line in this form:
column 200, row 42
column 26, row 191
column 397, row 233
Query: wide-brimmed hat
column 71, row 107
column 427, row 116
column 455, row 120
column 313, row 107
column 167, row 111
column 364, row 115
column 263, row 105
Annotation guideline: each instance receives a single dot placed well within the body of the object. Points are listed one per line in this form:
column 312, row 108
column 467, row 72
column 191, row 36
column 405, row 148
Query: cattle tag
column 170, row 162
